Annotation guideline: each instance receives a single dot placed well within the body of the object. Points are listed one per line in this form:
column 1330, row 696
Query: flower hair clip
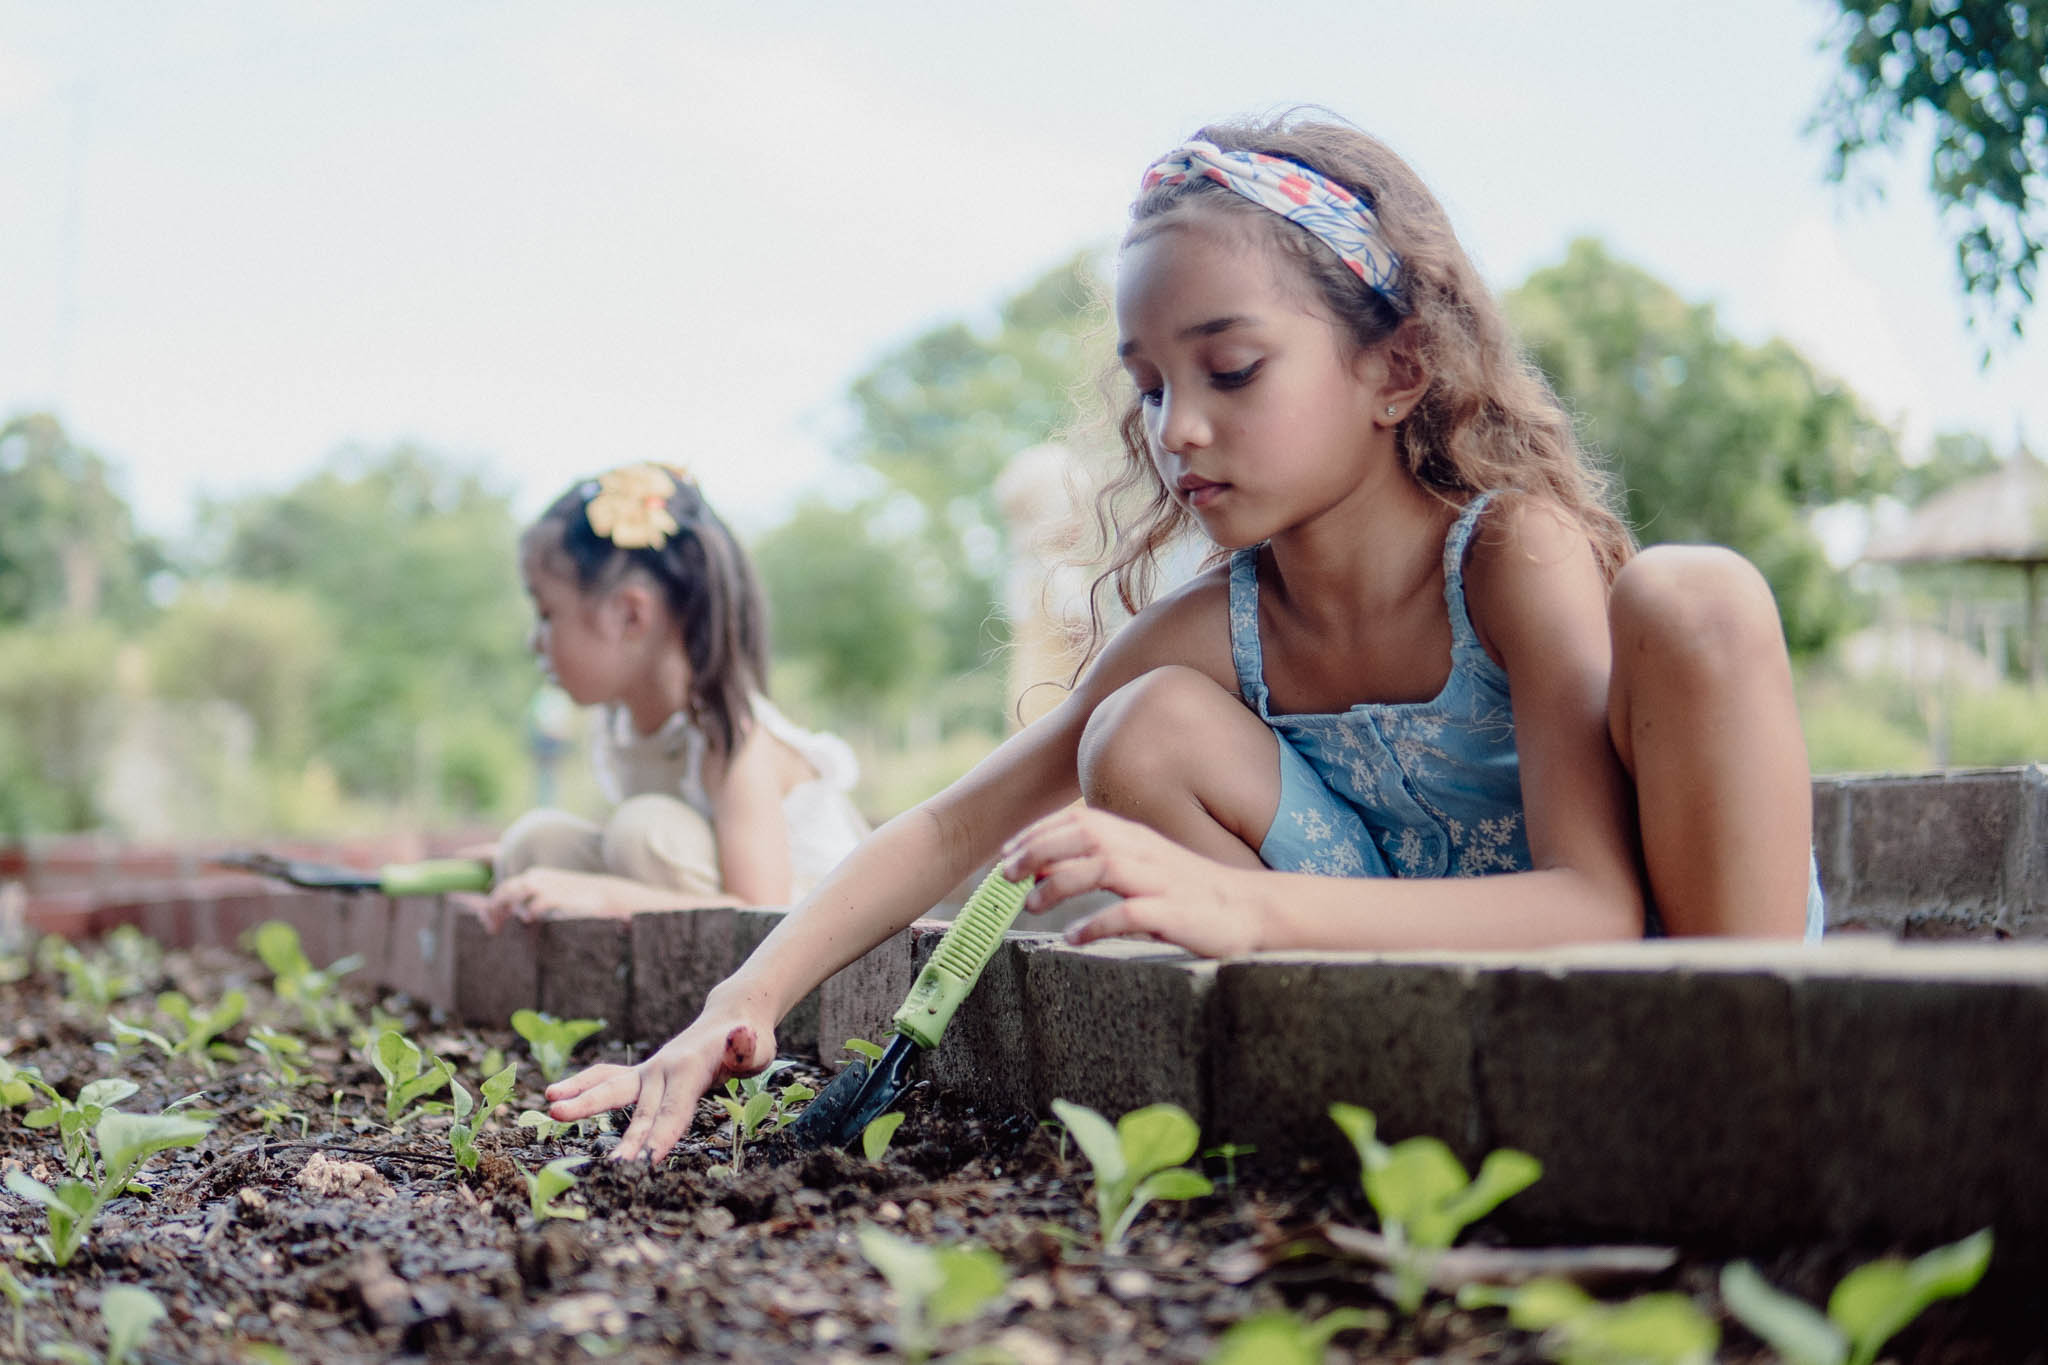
column 629, row 505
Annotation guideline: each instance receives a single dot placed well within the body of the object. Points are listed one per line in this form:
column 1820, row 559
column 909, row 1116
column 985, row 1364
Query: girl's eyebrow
column 1210, row 328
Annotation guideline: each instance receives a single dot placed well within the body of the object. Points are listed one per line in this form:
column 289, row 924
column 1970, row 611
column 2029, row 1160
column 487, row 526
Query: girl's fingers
column 1116, row 921
column 672, row 1119
column 1070, row 877
column 647, row 1108
column 597, row 1093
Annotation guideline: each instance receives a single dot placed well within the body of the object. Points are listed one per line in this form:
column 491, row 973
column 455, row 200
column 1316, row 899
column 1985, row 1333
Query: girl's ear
column 1399, row 371
column 635, row 605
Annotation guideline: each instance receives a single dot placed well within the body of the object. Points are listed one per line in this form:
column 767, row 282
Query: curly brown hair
column 1488, row 419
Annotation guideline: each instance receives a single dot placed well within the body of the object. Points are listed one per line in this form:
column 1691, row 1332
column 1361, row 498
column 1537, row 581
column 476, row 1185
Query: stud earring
column 1390, row 409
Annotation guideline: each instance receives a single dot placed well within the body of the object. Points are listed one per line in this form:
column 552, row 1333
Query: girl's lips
column 1200, row 492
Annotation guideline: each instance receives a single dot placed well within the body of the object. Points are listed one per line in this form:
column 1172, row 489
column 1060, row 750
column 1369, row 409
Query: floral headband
column 1335, row 216
column 629, row 505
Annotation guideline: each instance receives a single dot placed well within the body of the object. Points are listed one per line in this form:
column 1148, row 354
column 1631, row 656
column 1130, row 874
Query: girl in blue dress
column 1427, row 696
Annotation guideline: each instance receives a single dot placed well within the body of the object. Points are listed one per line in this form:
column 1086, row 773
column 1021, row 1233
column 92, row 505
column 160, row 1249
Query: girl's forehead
column 1193, row 268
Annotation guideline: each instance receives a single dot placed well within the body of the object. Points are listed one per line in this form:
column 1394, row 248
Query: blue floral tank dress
column 1402, row 789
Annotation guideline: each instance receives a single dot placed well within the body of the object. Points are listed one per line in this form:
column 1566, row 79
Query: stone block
column 1920, row 1091
column 495, row 974
column 417, row 952
column 677, row 956
column 1661, row 1094
column 1116, row 1025
column 1927, row 853
column 857, row 1000
column 2025, row 910
column 67, row 914
column 986, row 1055
column 797, row 1034
column 235, row 913
column 586, row 971
column 1831, row 851
column 1299, row 1032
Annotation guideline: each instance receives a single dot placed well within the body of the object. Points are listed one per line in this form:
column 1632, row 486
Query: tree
column 1712, row 439
column 941, row 416
column 67, row 538
column 1978, row 70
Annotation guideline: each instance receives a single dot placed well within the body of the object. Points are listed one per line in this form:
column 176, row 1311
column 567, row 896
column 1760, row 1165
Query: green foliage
column 263, row 649
column 1870, row 1305
column 314, row 992
column 1135, row 1162
column 67, row 539
column 192, row 1034
column 1978, row 71
column 409, row 1076
column 1713, row 440
column 545, row 1129
column 283, row 1054
column 57, row 707
column 552, row 1040
column 1280, row 1338
column 936, row 1287
column 17, row 1295
column 19, row 1084
column 471, row 1115
column 118, row 966
column 555, row 1178
column 880, row 1131
column 755, row 1108
column 74, row 1120
column 130, row 1314
column 1228, row 1153
column 872, row 1051
column 1651, row 1329
column 125, row 1141
column 1423, row 1196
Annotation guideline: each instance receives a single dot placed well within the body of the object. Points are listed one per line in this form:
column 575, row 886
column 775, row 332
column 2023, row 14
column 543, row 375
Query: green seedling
column 1870, row 1305
column 1280, row 1338
column 1423, row 1196
column 130, row 1313
column 19, row 1085
column 75, row 1120
column 281, row 1111
column 550, row 1180
column 409, row 1076
column 545, row 1129
column 872, row 1051
column 756, row 1109
column 551, row 1040
column 471, row 1115
column 1135, row 1162
column 1228, row 1153
column 315, row 992
column 936, row 1287
column 193, row 1034
column 17, row 1295
column 1650, row 1329
column 875, row 1138
column 94, row 981
column 125, row 1141
column 284, row 1055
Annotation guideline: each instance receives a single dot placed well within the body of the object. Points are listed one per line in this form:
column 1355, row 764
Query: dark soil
column 425, row 1261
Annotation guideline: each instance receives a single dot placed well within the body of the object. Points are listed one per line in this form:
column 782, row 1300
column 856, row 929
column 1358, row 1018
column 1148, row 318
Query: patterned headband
column 1334, row 215
column 629, row 506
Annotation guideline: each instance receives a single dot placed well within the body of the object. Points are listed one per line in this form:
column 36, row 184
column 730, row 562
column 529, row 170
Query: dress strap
column 1462, row 634
column 1244, row 628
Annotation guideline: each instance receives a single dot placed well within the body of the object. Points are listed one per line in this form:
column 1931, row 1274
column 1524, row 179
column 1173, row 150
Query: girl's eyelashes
column 1236, row 379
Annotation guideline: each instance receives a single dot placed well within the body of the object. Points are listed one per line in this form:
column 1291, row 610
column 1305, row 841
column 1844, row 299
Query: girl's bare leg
column 1174, row 751
column 1701, row 711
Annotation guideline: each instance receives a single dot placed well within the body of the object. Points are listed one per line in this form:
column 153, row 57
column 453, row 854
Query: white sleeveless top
column 824, row 824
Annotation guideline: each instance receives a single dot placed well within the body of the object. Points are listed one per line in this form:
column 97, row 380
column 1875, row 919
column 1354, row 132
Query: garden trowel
column 864, row 1091
column 429, row 878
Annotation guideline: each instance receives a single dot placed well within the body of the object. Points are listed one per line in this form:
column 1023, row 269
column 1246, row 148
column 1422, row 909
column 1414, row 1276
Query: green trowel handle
column 956, row 963
column 434, row 876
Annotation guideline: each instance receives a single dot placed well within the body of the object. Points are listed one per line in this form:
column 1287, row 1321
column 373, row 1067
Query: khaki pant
column 654, row 839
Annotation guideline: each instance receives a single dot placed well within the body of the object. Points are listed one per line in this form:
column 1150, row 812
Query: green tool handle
column 976, row 932
column 434, row 876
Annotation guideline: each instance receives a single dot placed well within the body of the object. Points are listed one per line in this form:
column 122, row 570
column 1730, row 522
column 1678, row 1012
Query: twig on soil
column 266, row 1147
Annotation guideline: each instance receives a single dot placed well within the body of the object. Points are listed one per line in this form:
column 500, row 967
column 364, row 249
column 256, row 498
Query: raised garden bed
column 318, row 1233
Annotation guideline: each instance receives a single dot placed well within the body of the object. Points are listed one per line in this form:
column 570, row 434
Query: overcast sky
column 547, row 237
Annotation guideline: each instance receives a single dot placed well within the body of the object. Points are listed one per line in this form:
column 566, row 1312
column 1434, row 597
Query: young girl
column 1428, row 653
column 646, row 607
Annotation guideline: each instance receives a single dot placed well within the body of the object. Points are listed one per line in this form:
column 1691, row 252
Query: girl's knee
column 548, row 838
column 1140, row 733
column 662, row 841
column 1699, row 608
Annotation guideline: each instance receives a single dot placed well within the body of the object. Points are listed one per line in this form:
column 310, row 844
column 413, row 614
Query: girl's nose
column 1181, row 423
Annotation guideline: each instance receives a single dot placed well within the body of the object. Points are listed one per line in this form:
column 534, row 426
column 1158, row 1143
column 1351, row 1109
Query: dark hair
column 708, row 584
column 1488, row 419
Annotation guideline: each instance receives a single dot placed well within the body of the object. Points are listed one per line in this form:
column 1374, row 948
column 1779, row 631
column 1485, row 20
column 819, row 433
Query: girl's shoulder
column 1528, row 564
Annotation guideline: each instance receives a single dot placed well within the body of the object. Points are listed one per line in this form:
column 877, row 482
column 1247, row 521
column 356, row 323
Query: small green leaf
column 1790, row 1326
column 1360, row 1126
column 128, row 1140
column 105, row 1094
column 1875, row 1301
column 131, row 1314
column 498, row 1088
column 1270, row 1338
column 1096, row 1139
column 757, row 1108
column 1419, row 1176
column 911, row 1270
column 1155, row 1137
column 871, row 1051
column 875, row 1138
column 968, row 1278
column 798, row 1093
column 1177, row 1182
column 1543, row 1304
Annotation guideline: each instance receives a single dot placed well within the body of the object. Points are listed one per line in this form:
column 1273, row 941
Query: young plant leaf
column 875, row 1138
column 555, row 1178
column 871, row 1051
column 131, row 1313
column 1875, row 1301
column 1790, row 1326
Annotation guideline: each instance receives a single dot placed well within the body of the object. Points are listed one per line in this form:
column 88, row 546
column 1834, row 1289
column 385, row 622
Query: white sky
column 235, row 236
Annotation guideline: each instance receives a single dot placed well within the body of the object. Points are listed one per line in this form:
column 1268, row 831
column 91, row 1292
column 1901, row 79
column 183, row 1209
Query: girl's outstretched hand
column 665, row 1088
column 1168, row 893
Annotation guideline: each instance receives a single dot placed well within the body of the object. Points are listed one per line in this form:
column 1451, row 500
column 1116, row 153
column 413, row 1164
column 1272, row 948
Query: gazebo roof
column 2000, row 518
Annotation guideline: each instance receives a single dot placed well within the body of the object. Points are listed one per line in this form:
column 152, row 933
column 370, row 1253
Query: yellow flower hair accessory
column 630, row 508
